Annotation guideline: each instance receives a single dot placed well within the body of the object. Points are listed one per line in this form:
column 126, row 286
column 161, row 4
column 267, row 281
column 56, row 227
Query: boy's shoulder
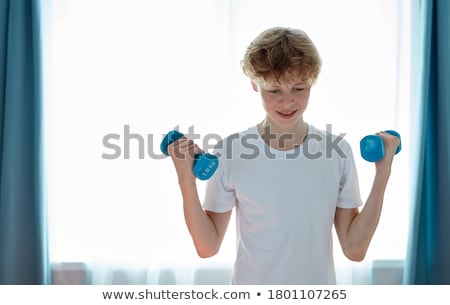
column 249, row 133
column 236, row 141
column 331, row 143
column 326, row 134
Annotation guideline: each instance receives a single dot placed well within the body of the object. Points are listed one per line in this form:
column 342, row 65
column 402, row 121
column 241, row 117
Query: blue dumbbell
column 204, row 164
column 372, row 146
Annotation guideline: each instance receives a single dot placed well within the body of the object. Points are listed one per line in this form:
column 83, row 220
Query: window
column 130, row 71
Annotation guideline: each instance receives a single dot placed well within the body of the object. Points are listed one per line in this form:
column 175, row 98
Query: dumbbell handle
column 204, row 164
column 372, row 146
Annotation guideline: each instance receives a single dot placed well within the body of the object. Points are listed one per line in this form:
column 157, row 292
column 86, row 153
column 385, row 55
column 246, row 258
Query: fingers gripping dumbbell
column 204, row 164
column 372, row 146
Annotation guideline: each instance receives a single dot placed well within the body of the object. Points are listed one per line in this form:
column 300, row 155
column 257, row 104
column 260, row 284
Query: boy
column 287, row 185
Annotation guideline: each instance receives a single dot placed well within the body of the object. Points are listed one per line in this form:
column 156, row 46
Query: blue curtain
column 429, row 250
column 23, row 248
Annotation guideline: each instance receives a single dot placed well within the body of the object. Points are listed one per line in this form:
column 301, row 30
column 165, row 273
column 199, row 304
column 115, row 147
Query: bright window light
column 131, row 71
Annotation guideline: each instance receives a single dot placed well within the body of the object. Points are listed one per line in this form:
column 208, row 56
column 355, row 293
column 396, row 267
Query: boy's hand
column 391, row 143
column 183, row 153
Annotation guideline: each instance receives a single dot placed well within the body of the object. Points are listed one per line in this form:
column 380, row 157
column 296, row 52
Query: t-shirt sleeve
column 349, row 193
column 219, row 195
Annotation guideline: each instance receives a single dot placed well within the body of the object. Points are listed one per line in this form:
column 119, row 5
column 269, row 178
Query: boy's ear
column 255, row 86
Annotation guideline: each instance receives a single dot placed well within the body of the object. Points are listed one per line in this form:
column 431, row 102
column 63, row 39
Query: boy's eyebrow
column 277, row 84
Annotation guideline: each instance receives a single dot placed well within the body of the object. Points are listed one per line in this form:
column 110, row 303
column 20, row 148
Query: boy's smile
column 288, row 115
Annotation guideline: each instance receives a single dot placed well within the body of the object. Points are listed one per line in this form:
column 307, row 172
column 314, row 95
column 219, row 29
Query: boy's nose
column 286, row 99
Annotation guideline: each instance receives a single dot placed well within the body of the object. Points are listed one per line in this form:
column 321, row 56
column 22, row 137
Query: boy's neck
column 282, row 138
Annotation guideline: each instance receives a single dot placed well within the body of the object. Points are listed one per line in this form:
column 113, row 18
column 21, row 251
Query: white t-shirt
column 285, row 205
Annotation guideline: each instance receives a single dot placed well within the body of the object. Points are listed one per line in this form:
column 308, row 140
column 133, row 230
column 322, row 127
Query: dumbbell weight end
column 372, row 146
column 204, row 164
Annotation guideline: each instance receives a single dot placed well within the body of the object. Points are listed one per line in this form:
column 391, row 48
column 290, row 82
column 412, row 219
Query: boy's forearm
column 200, row 225
column 364, row 225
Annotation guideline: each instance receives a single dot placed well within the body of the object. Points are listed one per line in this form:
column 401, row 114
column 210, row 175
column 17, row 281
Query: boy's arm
column 207, row 228
column 355, row 229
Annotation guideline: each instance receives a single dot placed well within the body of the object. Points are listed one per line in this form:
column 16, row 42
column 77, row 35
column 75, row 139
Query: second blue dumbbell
column 372, row 146
column 204, row 165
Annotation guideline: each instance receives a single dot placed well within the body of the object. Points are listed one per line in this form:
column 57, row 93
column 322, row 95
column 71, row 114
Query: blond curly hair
column 280, row 52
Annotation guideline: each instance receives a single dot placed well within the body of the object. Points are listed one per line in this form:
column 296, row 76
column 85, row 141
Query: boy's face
column 284, row 101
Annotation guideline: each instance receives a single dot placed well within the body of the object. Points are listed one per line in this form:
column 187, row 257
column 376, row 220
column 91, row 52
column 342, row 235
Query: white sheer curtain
column 129, row 71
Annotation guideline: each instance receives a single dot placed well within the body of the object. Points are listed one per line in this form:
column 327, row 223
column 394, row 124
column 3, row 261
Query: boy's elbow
column 355, row 254
column 356, row 257
column 207, row 252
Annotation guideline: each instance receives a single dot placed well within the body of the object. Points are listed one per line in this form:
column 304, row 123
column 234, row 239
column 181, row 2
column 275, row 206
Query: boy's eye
column 299, row 89
column 273, row 90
